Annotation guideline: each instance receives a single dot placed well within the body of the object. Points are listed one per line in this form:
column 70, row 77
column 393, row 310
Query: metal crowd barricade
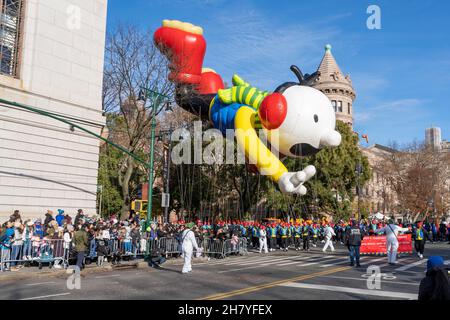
column 170, row 246
column 36, row 250
column 213, row 247
column 242, row 246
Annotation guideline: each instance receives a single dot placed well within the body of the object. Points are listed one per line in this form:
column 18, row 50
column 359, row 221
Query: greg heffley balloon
column 296, row 119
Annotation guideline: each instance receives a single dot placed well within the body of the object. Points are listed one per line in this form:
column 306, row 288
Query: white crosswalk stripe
column 365, row 292
column 411, row 265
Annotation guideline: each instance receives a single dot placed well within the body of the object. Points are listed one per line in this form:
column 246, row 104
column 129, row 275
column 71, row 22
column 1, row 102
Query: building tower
column 433, row 137
column 337, row 87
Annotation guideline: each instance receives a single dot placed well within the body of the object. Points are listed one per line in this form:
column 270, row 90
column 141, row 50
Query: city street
column 279, row 275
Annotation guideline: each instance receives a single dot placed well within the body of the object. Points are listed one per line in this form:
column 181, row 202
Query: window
column 349, row 108
column 333, row 102
column 10, row 24
column 340, row 106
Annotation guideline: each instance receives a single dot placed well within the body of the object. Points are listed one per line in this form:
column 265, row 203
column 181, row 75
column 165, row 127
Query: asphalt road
column 277, row 275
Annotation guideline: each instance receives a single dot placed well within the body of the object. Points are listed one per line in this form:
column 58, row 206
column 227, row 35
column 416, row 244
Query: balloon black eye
column 316, row 118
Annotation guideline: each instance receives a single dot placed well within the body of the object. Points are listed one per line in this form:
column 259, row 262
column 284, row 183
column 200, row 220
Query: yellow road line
column 224, row 295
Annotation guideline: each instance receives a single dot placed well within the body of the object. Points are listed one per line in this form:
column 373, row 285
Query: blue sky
column 401, row 73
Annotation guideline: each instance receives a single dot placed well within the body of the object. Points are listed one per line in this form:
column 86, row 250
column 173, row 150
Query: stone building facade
column 336, row 86
column 52, row 55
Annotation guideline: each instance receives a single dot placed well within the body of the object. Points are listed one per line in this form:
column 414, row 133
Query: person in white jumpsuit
column 391, row 230
column 188, row 245
column 329, row 233
column 263, row 240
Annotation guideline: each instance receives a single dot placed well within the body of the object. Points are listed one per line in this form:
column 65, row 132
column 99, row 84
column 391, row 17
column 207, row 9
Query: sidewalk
column 45, row 272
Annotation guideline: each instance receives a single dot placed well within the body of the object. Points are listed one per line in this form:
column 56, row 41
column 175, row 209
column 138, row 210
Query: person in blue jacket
column 5, row 246
column 60, row 217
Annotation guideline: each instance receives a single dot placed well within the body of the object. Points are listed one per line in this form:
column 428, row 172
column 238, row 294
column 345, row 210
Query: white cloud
column 394, row 111
column 253, row 45
column 399, row 105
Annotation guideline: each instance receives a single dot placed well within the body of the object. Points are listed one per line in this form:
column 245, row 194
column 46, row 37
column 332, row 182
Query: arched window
column 10, row 36
column 340, row 106
column 349, row 108
column 333, row 103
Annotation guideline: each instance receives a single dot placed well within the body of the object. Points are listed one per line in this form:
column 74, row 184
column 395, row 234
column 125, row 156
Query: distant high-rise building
column 433, row 137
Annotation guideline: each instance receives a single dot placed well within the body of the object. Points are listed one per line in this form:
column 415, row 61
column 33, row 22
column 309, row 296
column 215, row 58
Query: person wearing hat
column 392, row 231
column 60, row 217
column 17, row 243
column 48, row 218
column 5, row 245
column 419, row 236
column 79, row 217
column 38, row 229
column 15, row 217
column 188, row 244
column 297, row 236
column 27, row 235
column 81, row 244
column 306, row 235
column 436, row 284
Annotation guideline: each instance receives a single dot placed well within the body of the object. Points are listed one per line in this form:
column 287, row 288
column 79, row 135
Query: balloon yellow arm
column 255, row 151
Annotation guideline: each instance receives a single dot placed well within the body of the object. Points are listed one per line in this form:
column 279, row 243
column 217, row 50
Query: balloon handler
column 296, row 119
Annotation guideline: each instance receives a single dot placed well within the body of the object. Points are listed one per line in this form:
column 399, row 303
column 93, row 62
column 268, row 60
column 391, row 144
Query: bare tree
column 418, row 174
column 132, row 63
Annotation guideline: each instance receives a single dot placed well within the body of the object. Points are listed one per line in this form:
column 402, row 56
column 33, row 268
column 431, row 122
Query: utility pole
column 100, row 189
column 165, row 136
column 158, row 99
column 358, row 187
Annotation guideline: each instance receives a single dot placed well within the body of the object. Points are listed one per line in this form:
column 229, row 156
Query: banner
column 377, row 244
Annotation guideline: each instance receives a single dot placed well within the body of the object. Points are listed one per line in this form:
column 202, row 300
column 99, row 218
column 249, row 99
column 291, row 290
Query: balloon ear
column 273, row 110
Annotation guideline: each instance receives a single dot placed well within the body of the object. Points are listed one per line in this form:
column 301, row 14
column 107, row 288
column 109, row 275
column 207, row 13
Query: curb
column 13, row 276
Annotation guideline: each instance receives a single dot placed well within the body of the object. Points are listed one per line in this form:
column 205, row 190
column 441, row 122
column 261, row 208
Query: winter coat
column 427, row 285
column 60, row 219
column 48, row 218
column 353, row 236
column 80, row 241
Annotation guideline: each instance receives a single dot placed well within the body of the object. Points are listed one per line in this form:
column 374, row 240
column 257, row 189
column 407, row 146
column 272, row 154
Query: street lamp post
column 165, row 136
column 358, row 187
column 143, row 94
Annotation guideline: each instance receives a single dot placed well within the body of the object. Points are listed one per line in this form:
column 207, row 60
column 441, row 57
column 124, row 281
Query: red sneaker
column 210, row 83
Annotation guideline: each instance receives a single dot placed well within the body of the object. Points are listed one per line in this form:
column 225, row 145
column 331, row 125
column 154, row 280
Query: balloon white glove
column 292, row 182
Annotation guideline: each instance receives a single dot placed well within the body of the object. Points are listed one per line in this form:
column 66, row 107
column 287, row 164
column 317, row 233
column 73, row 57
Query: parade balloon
column 296, row 119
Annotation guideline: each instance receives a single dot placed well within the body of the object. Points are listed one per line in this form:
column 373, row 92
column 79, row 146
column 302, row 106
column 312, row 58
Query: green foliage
column 332, row 189
column 112, row 201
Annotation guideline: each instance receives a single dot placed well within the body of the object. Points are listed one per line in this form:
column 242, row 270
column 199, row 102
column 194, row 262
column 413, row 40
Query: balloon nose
column 331, row 139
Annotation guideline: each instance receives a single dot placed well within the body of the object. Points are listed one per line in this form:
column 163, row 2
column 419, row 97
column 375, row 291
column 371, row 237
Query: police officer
column 352, row 239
